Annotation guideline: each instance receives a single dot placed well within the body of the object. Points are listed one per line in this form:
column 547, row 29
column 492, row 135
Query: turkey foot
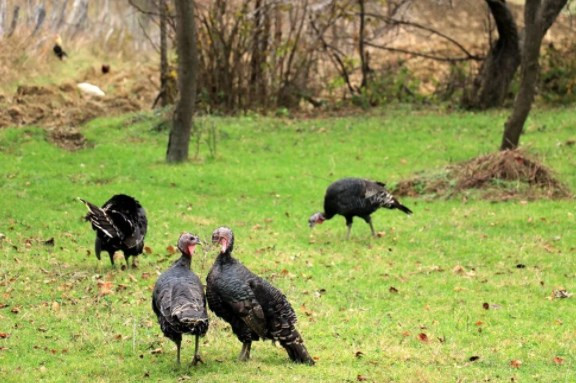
column 197, row 359
column 245, row 353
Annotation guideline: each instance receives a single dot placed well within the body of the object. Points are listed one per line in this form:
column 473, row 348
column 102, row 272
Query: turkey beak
column 193, row 243
column 223, row 244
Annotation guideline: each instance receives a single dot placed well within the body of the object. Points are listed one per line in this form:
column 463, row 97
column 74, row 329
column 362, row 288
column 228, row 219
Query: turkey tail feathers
column 403, row 208
column 297, row 352
column 100, row 220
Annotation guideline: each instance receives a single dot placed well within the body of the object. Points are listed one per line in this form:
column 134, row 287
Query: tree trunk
column 492, row 83
column 14, row 23
column 163, row 54
column 361, row 46
column 187, row 65
column 260, row 38
column 3, row 18
column 538, row 17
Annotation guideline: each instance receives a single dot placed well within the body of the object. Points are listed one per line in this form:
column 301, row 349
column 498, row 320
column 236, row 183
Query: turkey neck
column 225, row 257
column 185, row 261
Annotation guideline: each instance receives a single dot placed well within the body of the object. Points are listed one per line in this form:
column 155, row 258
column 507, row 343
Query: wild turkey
column 120, row 224
column 178, row 299
column 57, row 49
column 356, row 197
column 253, row 307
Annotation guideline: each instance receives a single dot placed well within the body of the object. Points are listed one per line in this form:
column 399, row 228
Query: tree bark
column 538, row 17
column 14, row 24
column 493, row 81
column 187, row 65
column 3, row 18
column 163, row 53
column 361, row 45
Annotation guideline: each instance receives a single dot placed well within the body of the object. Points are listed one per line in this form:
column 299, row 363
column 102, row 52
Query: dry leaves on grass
column 515, row 363
column 558, row 360
column 105, row 288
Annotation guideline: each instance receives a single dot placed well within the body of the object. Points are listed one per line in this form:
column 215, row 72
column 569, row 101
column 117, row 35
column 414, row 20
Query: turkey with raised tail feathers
column 120, row 224
column 179, row 301
column 356, row 197
column 251, row 305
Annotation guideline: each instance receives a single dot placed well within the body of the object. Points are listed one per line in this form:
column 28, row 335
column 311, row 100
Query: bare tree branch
column 430, row 56
column 393, row 21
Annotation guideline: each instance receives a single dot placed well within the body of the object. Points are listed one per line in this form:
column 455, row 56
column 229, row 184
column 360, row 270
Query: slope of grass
column 408, row 306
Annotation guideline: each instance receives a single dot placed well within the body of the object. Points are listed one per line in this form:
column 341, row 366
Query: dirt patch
column 498, row 176
column 64, row 105
column 68, row 138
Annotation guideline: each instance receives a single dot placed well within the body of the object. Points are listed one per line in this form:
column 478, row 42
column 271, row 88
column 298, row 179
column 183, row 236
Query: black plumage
column 120, row 224
column 251, row 305
column 59, row 52
column 356, row 197
column 179, row 301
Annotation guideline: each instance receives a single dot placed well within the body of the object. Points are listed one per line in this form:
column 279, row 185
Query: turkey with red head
column 356, row 197
column 178, row 299
column 251, row 305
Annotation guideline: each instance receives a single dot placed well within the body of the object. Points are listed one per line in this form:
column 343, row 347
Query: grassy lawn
column 405, row 307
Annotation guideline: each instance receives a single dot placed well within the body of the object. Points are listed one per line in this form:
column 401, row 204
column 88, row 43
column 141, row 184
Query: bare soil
column 503, row 175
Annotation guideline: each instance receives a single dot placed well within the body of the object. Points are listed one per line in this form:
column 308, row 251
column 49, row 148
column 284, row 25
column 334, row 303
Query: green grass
column 268, row 177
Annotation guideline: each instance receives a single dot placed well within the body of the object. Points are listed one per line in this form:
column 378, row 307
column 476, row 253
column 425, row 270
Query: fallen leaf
column 15, row 309
column 423, row 337
column 405, row 333
column 473, row 358
column 393, row 290
column 2, row 348
column 55, row 306
column 358, row 354
column 118, row 336
column 459, row 269
column 479, row 323
column 156, row 351
column 147, row 250
column 104, row 288
column 515, row 363
column 307, row 311
column 171, row 249
column 3, row 305
column 145, row 276
column 361, row 378
column 558, row 360
column 4, row 335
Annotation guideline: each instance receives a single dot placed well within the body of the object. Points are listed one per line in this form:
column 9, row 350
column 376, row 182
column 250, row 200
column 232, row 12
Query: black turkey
column 178, row 299
column 356, row 197
column 253, row 307
column 120, row 224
